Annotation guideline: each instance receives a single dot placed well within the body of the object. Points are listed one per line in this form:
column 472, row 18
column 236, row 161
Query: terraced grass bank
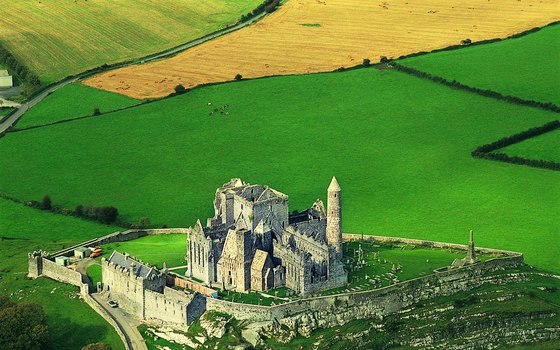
column 72, row 322
column 526, row 67
column 59, row 38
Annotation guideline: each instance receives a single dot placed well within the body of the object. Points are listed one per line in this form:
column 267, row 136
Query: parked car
column 112, row 303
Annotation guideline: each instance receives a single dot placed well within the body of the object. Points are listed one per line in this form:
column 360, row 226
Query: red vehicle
column 96, row 252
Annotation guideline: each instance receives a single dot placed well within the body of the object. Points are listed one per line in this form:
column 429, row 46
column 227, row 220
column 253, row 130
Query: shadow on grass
column 65, row 334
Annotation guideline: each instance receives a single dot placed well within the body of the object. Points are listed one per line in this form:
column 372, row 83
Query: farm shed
column 82, row 252
column 6, row 80
column 62, row 260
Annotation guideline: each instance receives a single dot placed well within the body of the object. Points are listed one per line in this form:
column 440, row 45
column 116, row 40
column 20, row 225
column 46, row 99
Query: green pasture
column 72, row 322
column 60, row 38
column 542, row 147
column 526, row 67
column 399, row 146
column 153, row 250
column 71, row 101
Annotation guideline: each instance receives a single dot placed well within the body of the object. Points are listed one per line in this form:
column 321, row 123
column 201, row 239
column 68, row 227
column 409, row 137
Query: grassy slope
column 545, row 147
column 73, row 100
column 526, row 67
column 73, row 323
column 400, row 147
column 58, row 38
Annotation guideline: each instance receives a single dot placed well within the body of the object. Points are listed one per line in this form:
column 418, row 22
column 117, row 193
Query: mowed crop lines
column 63, row 37
column 305, row 36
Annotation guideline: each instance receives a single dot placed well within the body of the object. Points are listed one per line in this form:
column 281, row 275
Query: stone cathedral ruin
column 254, row 243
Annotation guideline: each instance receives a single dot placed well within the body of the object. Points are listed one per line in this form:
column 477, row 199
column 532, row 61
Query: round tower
column 334, row 216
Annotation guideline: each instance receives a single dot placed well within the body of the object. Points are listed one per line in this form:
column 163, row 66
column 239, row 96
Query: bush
column 238, row 77
column 179, row 89
column 22, row 326
column 97, row 346
column 96, row 111
column 459, row 303
column 106, row 215
column 144, row 222
column 366, row 62
column 46, row 204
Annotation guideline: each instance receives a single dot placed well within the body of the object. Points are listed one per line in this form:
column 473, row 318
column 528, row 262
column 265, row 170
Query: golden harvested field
column 321, row 35
column 56, row 38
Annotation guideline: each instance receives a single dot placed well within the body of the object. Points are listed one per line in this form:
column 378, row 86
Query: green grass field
column 69, row 102
column 154, row 250
column 72, row 322
column 526, row 67
column 400, row 147
column 543, row 147
column 59, row 38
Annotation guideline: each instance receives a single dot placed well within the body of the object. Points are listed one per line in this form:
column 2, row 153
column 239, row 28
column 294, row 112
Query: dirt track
column 321, row 35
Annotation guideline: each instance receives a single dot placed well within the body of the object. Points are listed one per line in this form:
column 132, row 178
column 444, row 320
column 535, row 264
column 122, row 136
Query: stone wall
column 171, row 306
column 240, row 311
column 341, row 308
column 61, row 273
column 175, row 280
column 384, row 301
column 424, row 243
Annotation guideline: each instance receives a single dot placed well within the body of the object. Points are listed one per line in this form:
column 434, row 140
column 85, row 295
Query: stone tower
column 471, row 257
column 334, row 216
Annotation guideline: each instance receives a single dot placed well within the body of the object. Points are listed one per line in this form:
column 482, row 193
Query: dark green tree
column 22, row 326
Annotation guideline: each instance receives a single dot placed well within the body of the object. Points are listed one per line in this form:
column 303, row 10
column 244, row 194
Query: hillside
column 399, row 145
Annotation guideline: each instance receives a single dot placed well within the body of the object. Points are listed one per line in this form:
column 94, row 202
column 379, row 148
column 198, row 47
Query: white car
column 112, row 303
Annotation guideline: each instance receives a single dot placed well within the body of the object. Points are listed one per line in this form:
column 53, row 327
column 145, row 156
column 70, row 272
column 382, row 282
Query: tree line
column 28, row 81
column 487, row 151
column 267, row 6
column 484, row 92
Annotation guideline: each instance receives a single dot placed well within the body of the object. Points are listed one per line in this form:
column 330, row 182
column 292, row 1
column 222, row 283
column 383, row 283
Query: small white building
column 82, row 252
column 6, row 80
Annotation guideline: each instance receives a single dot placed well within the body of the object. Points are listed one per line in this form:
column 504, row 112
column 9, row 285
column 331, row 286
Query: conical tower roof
column 334, row 186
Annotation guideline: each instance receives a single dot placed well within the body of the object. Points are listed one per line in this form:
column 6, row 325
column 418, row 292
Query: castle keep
column 253, row 243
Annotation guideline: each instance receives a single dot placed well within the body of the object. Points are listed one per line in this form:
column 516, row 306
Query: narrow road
column 13, row 118
column 126, row 322
column 29, row 104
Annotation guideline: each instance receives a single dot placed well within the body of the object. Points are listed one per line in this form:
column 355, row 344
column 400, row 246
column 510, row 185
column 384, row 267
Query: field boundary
column 487, row 151
column 548, row 106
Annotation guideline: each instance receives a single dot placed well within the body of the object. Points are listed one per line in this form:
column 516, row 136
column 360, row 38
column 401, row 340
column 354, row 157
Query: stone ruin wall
column 430, row 244
column 61, row 273
column 328, row 311
column 167, row 307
